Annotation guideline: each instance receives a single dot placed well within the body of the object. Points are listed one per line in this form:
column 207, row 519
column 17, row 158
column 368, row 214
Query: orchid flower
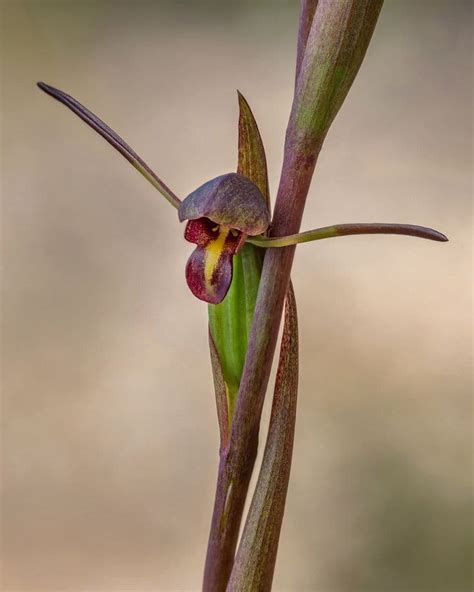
column 223, row 214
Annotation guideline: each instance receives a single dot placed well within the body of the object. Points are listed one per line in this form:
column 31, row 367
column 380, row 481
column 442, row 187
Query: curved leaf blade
column 230, row 323
column 255, row 560
column 252, row 160
column 231, row 320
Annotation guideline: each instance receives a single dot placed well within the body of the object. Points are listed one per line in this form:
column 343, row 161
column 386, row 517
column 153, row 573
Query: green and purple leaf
column 229, row 327
column 255, row 560
column 230, row 321
column 252, row 162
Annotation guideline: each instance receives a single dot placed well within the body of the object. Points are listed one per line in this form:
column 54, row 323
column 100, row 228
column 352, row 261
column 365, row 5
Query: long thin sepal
column 112, row 138
column 347, row 230
column 255, row 560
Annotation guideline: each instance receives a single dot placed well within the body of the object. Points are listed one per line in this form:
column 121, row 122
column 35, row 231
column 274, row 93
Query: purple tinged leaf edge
column 256, row 556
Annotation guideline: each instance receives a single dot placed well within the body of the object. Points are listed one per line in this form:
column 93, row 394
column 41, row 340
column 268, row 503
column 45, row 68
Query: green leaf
column 252, row 161
column 231, row 320
column 255, row 560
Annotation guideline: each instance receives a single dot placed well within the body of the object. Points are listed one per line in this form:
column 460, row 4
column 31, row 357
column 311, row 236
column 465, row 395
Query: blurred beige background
column 109, row 428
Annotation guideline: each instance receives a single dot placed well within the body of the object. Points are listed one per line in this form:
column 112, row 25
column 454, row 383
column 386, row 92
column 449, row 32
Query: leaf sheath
column 229, row 326
column 255, row 560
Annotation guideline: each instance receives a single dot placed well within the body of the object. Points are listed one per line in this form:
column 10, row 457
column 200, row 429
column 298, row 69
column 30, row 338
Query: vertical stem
column 231, row 492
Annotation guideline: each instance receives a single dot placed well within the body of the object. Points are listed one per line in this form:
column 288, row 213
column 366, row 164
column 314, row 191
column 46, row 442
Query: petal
column 209, row 268
column 210, row 289
column 200, row 231
column 231, row 200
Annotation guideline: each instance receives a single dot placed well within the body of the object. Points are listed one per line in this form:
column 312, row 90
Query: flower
column 221, row 214
column 227, row 211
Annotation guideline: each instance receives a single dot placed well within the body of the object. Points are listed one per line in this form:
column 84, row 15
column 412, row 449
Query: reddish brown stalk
column 231, row 492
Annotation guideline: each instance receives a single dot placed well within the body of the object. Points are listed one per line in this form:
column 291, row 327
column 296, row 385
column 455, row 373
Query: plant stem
column 231, row 492
column 238, row 458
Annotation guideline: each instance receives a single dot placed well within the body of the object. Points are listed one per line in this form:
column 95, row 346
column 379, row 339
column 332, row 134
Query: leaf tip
column 243, row 103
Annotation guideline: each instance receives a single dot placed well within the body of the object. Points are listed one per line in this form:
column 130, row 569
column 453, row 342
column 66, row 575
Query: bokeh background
column 109, row 429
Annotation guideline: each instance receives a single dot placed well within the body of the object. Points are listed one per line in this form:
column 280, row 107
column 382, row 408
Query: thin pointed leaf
column 231, row 320
column 347, row 230
column 252, row 161
column 229, row 326
column 113, row 139
column 255, row 560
